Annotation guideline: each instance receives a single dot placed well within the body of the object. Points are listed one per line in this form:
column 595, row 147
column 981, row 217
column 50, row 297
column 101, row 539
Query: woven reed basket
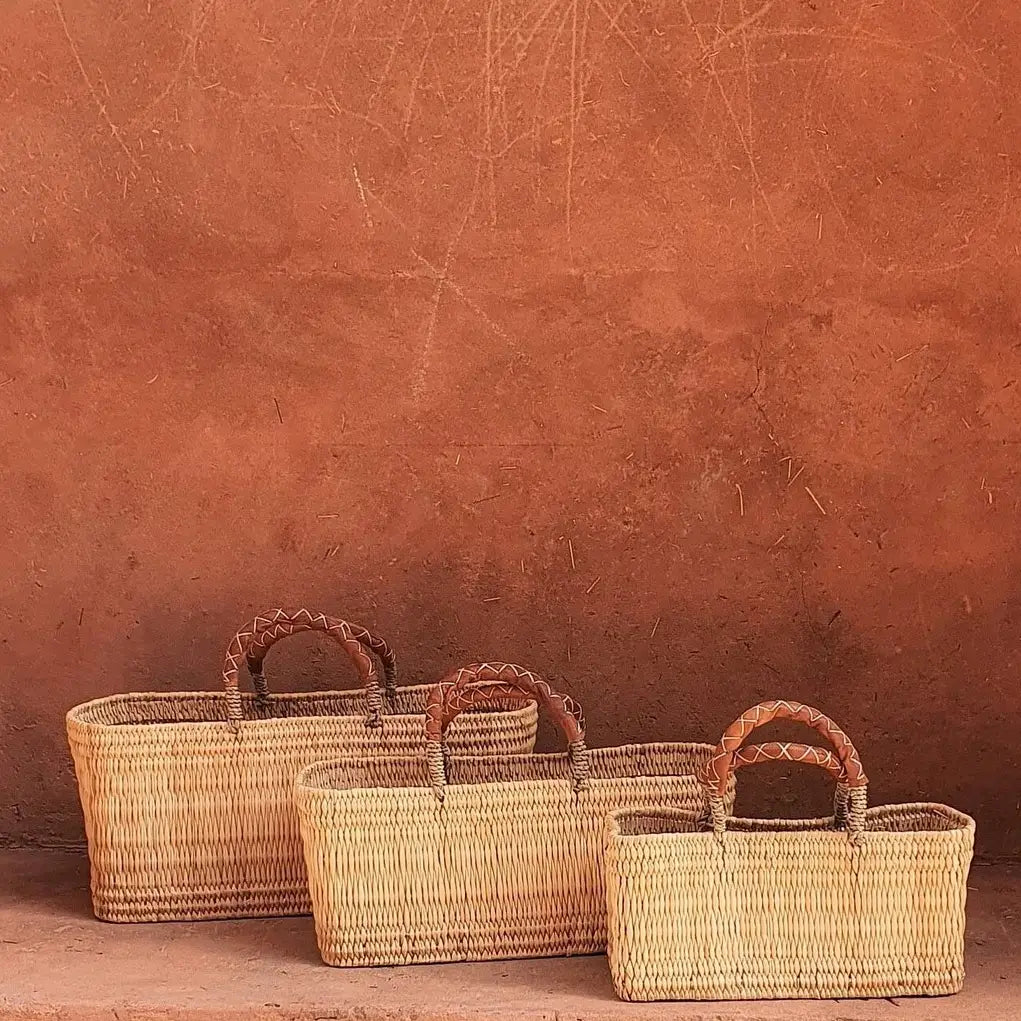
column 445, row 857
column 867, row 903
column 187, row 796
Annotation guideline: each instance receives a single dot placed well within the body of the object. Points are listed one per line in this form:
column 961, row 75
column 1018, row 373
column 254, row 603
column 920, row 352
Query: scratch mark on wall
column 413, row 91
column 332, row 105
column 199, row 17
column 396, row 44
column 523, row 42
column 742, row 139
column 708, row 63
column 502, row 76
column 425, row 358
column 361, row 195
column 616, row 29
column 656, row 77
column 541, row 92
column 586, row 63
column 742, row 27
column 436, row 273
column 974, row 251
column 579, row 64
column 878, row 40
column 568, row 198
column 487, row 103
column 858, row 37
column 953, row 30
column 330, row 34
column 104, row 113
column 821, row 176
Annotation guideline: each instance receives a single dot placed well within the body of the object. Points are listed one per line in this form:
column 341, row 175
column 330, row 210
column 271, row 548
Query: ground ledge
column 56, row 960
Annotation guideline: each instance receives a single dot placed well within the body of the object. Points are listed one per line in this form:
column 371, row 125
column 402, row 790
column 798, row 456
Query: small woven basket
column 866, row 903
column 187, row 796
column 446, row 857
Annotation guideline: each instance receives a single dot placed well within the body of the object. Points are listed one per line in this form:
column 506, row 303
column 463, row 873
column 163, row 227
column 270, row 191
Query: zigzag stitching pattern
column 316, row 621
column 715, row 770
column 451, row 697
column 776, row 751
column 266, row 629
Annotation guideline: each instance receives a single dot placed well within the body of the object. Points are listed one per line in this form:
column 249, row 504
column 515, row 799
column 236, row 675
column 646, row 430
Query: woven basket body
column 771, row 913
column 190, row 817
column 509, row 867
column 865, row 903
column 451, row 858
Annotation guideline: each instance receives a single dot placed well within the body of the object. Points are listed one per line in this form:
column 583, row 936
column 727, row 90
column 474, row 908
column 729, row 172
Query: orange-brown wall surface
column 670, row 348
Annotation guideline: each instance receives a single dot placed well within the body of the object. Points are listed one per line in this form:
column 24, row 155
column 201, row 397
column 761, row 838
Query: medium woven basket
column 187, row 796
column 446, row 857
column 867, row 903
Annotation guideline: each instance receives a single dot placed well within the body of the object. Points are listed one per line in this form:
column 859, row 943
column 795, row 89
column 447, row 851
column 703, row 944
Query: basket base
column 770, row 989
column 508, row 946
column 200, row 906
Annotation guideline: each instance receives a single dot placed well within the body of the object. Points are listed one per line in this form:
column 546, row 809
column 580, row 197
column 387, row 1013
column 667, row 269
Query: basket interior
column 605, row 763
column 917, row 818
column 211, row 707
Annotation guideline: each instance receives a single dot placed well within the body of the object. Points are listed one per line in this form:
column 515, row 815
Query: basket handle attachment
column 485, row 683
column 254, row 641
column 851, row 797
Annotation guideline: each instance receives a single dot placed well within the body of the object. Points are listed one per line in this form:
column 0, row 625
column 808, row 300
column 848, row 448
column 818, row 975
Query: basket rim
column 78, row 716
column 305, row 780
column 615, row 817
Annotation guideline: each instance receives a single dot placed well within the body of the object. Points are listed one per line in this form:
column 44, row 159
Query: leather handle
column 784, row 751
column 715, row 772
column 459, row 691
column 252, row 642
column 485, row 683
column 309, row 620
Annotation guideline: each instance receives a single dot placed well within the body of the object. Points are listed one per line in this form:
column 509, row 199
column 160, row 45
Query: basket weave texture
column 867, row 903
column 187, row 797
column 447, row 857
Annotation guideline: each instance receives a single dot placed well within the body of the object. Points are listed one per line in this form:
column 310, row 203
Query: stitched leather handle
column 784, row 751
column 485, row 683
column 256, row 639
column 715, row 772
column 473, row 697
column 460, row 690
column 308, row 620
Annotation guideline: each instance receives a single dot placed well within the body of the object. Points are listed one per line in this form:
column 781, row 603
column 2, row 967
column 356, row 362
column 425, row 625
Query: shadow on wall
column 930, row 743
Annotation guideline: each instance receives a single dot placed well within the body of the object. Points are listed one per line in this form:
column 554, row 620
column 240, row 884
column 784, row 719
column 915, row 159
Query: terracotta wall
column 670, row 348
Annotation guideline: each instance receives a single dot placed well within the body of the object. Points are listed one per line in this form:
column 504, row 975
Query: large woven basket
column 187, row 796
column 869, row 902
column 447, row 857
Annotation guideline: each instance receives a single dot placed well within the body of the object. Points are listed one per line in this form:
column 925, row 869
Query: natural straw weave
column 455, row 858
column 188, row 798
column 867, row 903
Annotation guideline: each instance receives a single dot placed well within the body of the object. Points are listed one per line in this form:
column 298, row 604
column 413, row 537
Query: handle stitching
column 318, row 621
column 714, row 772
column 279, row 624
